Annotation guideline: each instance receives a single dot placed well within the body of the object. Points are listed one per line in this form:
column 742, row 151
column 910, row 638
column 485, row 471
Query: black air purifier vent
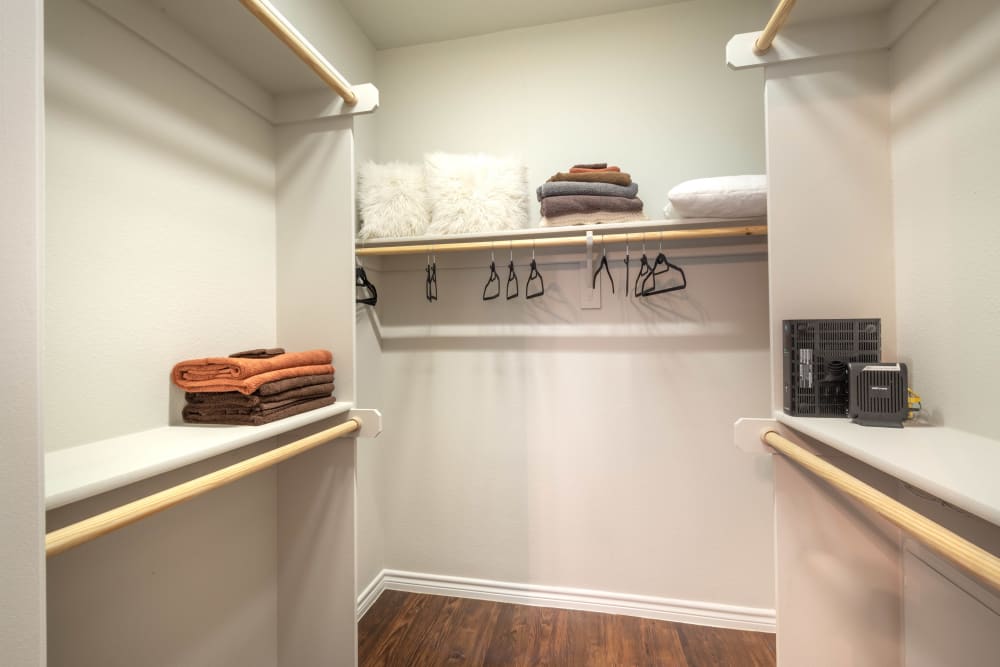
column 816, row 358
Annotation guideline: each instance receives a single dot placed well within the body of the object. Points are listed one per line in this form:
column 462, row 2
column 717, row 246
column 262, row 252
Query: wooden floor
column 410, row 629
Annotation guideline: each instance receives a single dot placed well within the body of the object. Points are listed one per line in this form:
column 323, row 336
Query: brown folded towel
column 259, row 353
column 194, row 416
column 236, row 399
column 279, row 386
column 229, row 368
column 598, row 176
column 590, row 170
column 568, row 204
column 250, row 384
column 592, row 165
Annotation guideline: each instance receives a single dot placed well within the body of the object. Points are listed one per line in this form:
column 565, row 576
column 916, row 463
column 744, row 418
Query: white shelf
column 96, row 467
column 573, row 230
column 957, row 467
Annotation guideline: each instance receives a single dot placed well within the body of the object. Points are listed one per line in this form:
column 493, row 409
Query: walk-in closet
column 370, row 332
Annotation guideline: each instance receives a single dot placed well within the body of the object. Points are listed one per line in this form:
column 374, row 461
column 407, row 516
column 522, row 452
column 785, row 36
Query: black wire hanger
column 534, row 275
column 494, row 278
column 361, row 281
column 603, row 266
column 512, row 276
column 431, row 289
column 661, row 260
column 644, row 270
column 626, row 265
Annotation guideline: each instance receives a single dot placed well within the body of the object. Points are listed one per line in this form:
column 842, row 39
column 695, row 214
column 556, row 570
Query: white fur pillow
column 476, row 193
column 393, row 200
column 720, row 197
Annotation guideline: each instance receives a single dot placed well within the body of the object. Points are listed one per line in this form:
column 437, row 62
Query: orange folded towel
column 249, row 385
column 589, row 170
column 219, row 368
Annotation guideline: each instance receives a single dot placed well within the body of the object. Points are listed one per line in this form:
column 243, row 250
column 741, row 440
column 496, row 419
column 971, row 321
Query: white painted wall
column 22, row 578
column 595, row 450
column 647, row 90
column 945, row 105
column 160, row 236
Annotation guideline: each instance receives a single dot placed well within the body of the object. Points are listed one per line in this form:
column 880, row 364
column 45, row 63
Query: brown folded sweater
column 568, row 204
column 259, row 353
column 235, row 368
column 595, row 176
column 195, row 416
column 236, row 399
column 279, row 386
column 588, row 170
column 250, row 384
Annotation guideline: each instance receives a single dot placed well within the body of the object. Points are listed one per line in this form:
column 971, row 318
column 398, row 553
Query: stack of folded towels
column 255, row 387
column 589, row 194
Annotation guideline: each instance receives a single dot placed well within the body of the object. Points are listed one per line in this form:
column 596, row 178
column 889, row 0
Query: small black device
column 879, row 395
column 816, row 358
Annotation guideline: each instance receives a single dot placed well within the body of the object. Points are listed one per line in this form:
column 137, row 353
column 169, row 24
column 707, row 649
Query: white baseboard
column 644, row 606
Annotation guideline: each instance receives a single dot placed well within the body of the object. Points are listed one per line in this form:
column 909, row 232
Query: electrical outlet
column 590, row 298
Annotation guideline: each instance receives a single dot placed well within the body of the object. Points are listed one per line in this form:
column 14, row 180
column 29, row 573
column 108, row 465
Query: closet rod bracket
column 747, row 432
column 370, row 422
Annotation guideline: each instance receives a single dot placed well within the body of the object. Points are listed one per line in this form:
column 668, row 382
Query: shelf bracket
column 747, row 432
column 370, row 420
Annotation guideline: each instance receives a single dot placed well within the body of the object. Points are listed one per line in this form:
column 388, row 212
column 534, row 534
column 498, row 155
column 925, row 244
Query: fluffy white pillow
column 719, row 197
column 393, row 200
column 476, row 193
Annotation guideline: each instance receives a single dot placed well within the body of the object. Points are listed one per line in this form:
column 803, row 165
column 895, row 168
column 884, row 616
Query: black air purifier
column 879, row 394
column 816, row 358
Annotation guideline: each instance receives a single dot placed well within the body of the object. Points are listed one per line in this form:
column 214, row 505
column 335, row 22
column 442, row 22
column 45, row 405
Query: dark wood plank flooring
column 404, row 629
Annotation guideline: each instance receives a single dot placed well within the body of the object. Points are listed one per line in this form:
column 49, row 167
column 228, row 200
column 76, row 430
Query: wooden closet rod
column 978, row 561
column 763, row 42
column 76, row 534
column 551, row 242
column 284, row 31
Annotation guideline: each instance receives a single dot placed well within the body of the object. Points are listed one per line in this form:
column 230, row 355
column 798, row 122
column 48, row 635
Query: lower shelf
column 96, row 467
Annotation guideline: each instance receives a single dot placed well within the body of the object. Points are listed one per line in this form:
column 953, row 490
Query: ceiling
column 393, row 23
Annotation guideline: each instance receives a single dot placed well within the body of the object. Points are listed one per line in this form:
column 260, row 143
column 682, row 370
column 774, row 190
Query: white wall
column 647, row 90
column 160, row 236
column 945, row 105
column 593, row 450
column 159, row 246
column 22, row 580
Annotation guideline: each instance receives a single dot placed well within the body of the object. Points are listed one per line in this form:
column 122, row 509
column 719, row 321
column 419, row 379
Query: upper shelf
column 956, row 466
column 684, row 232
column 87, row 470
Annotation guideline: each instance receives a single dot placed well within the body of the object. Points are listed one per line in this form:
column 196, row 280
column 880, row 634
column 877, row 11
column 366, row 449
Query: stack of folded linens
column 589, row 194
column 254, row 387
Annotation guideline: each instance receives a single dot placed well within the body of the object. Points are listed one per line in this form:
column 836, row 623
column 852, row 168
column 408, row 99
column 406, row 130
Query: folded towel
column 558, row 188
column 259, row 353
column 567, row 204
column 587, row 170
column 195, row 416
column 592, row 165
column 250, row 384
column 595, row 177
column 236, row 399
column 230, row 368
column 601, row 218
column 279, row 386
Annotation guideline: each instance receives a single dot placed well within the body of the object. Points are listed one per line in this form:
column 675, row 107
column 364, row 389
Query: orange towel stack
column 256, row 386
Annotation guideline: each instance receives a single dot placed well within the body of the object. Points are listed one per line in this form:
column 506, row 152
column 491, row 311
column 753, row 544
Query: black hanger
column 661, row 260
column 361, row 280
column 534, row 275
column 431, row 289
column 512, row 278
column 494, row 278
column 626, row 265
column 603, row 266
column 644, row 271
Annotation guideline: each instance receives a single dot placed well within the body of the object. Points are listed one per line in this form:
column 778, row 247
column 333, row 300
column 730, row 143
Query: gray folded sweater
column 559, row 188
